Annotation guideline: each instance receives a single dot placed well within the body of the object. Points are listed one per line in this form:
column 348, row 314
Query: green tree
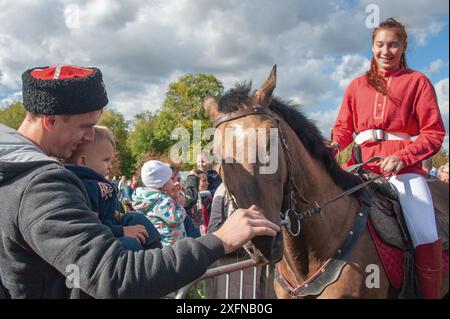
column 13, row 115
column 124, row 162
column 440, row 158
column 183, row 104
column 345, row 155
column 140, row 139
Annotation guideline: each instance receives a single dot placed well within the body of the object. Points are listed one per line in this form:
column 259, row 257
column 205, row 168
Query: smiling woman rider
column 394, row 113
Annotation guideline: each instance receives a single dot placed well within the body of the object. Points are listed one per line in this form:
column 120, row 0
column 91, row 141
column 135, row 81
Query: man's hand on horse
column 391, row 164
column 139, row 232
column 242, row 226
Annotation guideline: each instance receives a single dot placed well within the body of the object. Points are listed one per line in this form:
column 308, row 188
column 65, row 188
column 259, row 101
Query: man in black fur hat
column 51, row 244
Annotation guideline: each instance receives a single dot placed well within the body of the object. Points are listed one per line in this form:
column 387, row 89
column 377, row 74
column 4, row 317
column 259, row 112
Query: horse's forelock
column 235, row 98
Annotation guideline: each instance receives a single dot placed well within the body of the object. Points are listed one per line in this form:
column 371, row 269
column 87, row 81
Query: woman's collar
column 391, row 72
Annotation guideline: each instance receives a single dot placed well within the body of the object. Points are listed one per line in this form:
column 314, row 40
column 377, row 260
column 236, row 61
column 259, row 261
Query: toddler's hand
column 139, row 232
column 179, row 200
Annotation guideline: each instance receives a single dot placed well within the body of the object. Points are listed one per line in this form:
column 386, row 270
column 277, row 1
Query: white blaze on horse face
column 248, row 146
column 239, row 150
column 245, row 140
column 229, row 145
column 272, row 157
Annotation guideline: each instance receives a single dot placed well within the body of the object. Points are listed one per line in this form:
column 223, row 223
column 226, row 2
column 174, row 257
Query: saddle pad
column 388, row 230
column 392, row 259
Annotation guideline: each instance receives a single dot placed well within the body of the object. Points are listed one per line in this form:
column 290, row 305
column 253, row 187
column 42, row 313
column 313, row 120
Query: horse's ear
column 264, row 94
column 211, row 106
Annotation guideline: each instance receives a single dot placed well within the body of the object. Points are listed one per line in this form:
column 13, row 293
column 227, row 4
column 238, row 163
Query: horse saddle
column 388, row 229
column 387, row 217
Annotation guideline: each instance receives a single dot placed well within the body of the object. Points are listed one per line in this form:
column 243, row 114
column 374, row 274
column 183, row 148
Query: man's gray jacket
column 51, row 243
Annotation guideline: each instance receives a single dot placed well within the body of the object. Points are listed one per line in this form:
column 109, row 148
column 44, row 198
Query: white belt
column 380, row 135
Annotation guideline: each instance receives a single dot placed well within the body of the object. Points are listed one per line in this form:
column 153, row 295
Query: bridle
column 330, row 271
column 289, row 197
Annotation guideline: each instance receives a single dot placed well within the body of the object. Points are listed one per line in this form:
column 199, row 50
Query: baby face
column 97, row 156
column 168, row 187
column 177, row 184
column 203, row 183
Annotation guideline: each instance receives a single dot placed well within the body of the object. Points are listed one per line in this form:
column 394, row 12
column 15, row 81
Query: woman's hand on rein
column 333, row 145
column 392, row 164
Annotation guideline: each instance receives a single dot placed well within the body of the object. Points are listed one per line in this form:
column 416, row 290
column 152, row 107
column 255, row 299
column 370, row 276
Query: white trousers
column 417, row 204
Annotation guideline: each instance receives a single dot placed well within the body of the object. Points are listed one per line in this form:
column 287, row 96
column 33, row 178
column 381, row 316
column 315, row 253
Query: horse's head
column 253, row 165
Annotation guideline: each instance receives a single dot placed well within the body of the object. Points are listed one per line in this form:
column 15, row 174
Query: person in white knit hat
column 166, row 214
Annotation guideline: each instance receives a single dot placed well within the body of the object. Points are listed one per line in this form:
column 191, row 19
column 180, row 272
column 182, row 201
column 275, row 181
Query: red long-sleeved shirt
column 410, row 108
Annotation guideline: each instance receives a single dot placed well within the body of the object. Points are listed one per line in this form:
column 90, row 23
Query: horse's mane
column 306, row 130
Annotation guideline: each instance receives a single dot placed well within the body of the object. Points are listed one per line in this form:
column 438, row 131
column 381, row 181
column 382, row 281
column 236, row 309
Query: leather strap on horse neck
column 330, row 271
column 317, row 208
column 353, row 189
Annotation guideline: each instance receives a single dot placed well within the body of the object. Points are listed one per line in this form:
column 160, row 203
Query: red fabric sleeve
column 343, row 128
column 431, row 126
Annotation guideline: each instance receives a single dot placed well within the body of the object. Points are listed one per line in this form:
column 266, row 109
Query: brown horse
column 307, row 170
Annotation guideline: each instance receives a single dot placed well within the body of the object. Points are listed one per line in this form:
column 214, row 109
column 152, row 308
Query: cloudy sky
column 141, row 46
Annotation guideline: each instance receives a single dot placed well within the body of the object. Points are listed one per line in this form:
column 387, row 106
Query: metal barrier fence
column 253, row 281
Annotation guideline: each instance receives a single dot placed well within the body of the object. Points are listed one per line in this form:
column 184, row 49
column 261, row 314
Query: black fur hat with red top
column 63, row 89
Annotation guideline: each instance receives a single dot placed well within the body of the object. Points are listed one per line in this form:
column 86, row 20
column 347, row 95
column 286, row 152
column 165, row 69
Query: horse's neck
column 321, row 235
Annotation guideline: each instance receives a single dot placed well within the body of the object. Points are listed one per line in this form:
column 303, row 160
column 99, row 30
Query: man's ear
column 49, row 122
column 82, row 160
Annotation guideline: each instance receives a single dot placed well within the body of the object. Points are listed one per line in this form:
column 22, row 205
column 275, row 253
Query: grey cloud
column 111, row 14
column 139, row 45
